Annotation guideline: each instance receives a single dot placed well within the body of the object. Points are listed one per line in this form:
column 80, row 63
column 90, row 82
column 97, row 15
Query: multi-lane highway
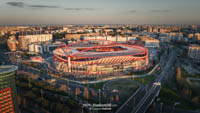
column 141, row 100
column 147, row 100
column 155, row 89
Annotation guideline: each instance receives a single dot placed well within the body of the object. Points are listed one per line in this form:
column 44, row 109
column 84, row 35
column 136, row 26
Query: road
column 139, row 103
column 136, row 103
column 147, row 100
column 154, row 91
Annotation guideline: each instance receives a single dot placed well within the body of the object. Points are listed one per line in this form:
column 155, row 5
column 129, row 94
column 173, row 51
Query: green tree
column 45, row 103
column 52, row 107
column 66, row 110
column 3, row 43
column 59, row 107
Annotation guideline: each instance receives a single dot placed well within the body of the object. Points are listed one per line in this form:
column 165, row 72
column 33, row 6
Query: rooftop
column 7, row 68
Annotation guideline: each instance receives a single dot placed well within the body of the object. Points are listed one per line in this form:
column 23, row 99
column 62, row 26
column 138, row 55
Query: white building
column 111, row 38
column 194, row 52
column 24, row 41
column 36, row 48
column 40, row 48
column 164, row 39
column 152, row 43
column 197, row 36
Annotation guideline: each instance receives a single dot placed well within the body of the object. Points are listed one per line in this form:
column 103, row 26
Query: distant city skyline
column 24, row 12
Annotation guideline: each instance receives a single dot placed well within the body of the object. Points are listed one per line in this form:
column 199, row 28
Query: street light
column 41, row 92
column 134, row 103
column 161, row 105
column 82, row 108
column 99, row 95
column 176, row 103
column 29, row 82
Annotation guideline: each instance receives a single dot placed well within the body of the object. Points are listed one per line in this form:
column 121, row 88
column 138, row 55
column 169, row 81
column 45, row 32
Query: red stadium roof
column 100, row 48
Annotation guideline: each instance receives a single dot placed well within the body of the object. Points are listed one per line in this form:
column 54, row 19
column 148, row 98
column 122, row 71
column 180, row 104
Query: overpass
column 140, row 102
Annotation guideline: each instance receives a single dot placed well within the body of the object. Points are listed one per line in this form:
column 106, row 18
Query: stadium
column 100, row 57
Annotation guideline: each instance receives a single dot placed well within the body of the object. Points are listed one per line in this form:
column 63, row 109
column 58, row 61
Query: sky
column 23, row 12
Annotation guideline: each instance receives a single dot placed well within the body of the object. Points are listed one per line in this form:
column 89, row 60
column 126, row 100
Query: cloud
column 43, row 6
column 21, row 4
column 160, row 11
column 80, row 9
column 132, row 11
column 16, row 4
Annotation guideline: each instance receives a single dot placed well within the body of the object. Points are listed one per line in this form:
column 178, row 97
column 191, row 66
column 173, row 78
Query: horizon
column 1, row 25
column 94, row 12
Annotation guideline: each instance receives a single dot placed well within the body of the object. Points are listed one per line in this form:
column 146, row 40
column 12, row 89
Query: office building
column 8, row 97
column 194, row 52
column 24, row 41
column 12, row 43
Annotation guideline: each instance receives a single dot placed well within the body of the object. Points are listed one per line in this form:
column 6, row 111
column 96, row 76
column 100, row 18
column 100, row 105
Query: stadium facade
column 100, row 57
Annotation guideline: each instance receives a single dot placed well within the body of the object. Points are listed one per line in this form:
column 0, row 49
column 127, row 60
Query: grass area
column 195, row 76
column 193, row 85
column 125, row 87
column 143, row 72
column 169, row 97
column 179, row 91
column 145, row 80
column 96, row 85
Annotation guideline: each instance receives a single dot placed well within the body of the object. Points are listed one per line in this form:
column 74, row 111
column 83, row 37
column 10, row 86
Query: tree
column 112, row 98
column 3, row 43
column 52, row 107
column 24, row 103
column 66, row 110
column 186, row 92
column 77, row 91
column 195, row 100
column 59, row 107
column 29, row 94
column 94, row 93
column 178, row 75
column 117, row 99
column 46, row 103
column 19, row 99
column 63, row 88
column 58, row 36
column 86, row 93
